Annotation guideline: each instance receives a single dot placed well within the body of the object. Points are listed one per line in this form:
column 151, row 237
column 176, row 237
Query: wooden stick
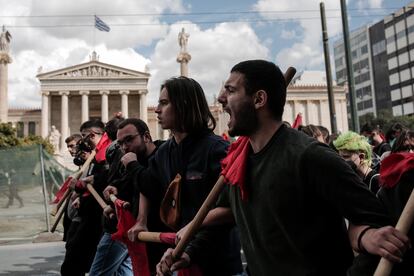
column 149, row 237
column 60, row 214
column 125, row 204
column 55, row 208
column 211, row 199
column 76, row 176
column 404, row 223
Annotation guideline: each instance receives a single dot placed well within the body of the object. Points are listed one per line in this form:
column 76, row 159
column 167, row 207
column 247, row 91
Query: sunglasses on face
column 128, row 139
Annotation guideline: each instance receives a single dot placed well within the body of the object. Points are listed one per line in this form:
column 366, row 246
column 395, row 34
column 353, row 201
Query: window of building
column 397, row 110
column 339, row 62
column 339, row 49
column 394, row 79
column 390, row 47
column 403, row 58
column 408, row 108
column 405, row 75
column 402, row 42
column 20, row 129
column 389, row 32
column 395, row 94
column 407, row 91
column 378, row 48
column 392, row 63
column 361, row 78
column 364, row 49
column 32, row 128
column 354, row 54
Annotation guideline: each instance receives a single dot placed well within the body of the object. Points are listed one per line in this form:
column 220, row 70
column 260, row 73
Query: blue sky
column 50, row 35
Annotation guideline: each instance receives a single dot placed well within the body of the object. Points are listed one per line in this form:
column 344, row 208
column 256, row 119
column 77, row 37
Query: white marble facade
column 90, row 90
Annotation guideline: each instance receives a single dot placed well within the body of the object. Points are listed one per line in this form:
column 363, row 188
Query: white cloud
column 214, row 51
column 52, row 48
column 307, row 52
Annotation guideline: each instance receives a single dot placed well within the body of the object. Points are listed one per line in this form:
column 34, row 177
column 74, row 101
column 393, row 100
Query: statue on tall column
column 183, row 40
column 54, row 138
column 5, row 38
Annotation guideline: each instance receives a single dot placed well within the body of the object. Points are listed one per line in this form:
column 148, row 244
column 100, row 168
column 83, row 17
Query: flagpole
column 93, row 36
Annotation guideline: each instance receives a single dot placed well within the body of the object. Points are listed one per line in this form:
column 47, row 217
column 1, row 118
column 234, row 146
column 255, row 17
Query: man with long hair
column 194, row 152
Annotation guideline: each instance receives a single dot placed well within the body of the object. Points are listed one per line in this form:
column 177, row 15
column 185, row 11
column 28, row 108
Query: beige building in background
column 92, row 90
column 308, row 95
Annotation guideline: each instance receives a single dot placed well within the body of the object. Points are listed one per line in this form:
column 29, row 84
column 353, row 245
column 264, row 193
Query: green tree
column 9, row 139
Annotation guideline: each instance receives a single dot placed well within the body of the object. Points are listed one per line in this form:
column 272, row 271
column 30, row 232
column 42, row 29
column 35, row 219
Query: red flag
column 298, row 121
column 101, row 148
column 137, row 250
column 393, row 167
column 233, row 166
column 62, row 190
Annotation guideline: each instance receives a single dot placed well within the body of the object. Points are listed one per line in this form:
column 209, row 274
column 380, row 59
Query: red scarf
column 233, row 166
column 393, row 167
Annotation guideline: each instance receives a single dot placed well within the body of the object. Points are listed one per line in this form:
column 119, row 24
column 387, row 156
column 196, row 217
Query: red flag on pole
column 62, row 190
column 393, row 167
column 137, row 250
column 233, row 166
column 298, row 121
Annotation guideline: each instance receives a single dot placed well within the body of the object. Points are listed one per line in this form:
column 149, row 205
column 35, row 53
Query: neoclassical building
column 90, row 90
column 308, row 95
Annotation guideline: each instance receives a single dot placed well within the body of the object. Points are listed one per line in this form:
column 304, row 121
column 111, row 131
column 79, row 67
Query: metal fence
column 29, row 178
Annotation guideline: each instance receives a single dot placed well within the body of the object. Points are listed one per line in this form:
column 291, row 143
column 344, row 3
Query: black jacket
column 197, row 158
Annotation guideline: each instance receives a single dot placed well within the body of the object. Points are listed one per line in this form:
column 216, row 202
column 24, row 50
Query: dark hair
column 139, row 125
column 264, row 75
column 399, row 144
column 111, row 126
column 92, row 123
column 75, row 136
column 366, row 128
column 394, row 129
column 325, row 133
column 311, row 130
column 192, row 113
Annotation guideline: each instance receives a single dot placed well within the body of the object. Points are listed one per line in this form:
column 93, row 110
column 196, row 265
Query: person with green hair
column 356, row 150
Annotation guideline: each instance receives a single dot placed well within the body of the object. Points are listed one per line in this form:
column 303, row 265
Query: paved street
column 34, row 259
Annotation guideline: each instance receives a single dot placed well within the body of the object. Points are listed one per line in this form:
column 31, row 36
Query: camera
column 84, row 145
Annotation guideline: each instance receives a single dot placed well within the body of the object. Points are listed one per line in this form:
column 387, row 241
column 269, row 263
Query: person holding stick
column 288, row 193
column 185, row 167
column 84, row 237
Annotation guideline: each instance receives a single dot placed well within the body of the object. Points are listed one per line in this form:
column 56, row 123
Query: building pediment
column 93, row 70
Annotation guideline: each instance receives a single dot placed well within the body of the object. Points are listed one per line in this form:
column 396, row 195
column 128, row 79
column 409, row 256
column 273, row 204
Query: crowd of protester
column 299, row 202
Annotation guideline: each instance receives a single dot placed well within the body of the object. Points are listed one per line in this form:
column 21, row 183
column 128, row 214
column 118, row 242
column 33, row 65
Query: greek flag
column 100, row 25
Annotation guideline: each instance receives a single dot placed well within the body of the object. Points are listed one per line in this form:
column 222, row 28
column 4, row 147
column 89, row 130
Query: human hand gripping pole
column 211, row 199
column 404, row 223
column 145, row 236
column 75, row 176
column 66, row 195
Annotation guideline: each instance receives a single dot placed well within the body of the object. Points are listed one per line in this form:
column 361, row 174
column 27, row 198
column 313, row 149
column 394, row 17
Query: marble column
column 124, row 102
column 143, row 109
column 64, row 117
column 45, row 114
column 4, row 108
column 85, row 105
column 104, row 106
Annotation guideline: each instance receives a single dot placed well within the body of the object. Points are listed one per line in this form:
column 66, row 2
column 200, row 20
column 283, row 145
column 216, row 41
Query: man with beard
column 133, row 139
column 192, row 154
column 290, row 201
column 71, row 143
